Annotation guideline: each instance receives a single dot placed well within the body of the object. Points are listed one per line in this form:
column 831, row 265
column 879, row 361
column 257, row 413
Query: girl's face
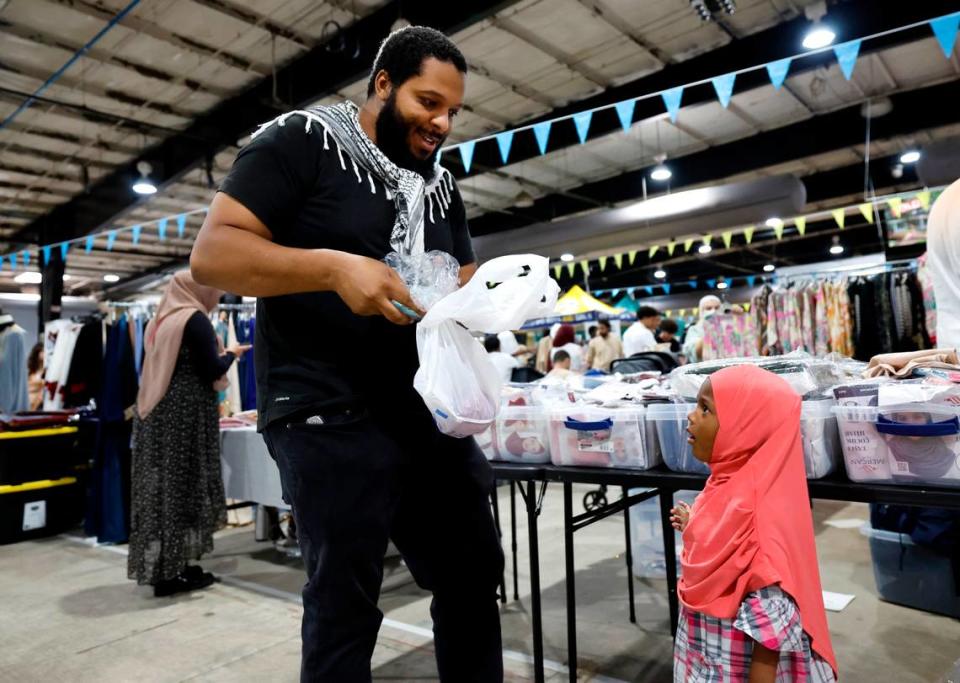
column 703, row 424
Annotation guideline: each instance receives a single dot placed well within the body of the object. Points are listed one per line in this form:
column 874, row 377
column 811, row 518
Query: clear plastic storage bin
column 487, row 441
column 591, row 436
column 522, row 434
column 646, row 535
column 913, row 444
column 818, row 429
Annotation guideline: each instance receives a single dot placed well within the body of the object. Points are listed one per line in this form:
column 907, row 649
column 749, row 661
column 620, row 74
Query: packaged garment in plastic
column 457, row 380
column 523, row 434
column 595, row 436
column 429, row 276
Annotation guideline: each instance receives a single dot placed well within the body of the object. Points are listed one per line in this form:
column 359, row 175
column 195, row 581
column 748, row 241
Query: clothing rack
column 901, row 265
column 237, row 307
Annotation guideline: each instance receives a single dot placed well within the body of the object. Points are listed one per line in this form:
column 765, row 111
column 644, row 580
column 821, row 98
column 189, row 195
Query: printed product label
column 34, row 515
column 595, row 446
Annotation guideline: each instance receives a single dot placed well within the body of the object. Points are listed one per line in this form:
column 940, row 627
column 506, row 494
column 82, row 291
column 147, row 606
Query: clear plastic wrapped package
column 429, row 276
column 597, row 436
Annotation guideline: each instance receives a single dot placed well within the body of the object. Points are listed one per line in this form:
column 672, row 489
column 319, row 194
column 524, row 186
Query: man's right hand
column 370, row 287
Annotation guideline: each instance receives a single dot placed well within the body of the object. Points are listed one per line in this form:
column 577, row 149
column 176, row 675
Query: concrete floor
column 69, row 614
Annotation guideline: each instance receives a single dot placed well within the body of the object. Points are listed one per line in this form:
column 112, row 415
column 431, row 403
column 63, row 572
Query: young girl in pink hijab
column 751, row 603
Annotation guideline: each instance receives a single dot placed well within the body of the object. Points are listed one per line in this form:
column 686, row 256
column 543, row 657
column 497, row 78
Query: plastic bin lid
column 816, row 409
column 669, row 411
column 580, row 411
column 521, row 411
column 884, row 535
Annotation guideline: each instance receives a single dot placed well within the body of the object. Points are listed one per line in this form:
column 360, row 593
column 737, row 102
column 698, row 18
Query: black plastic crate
column 39, row 508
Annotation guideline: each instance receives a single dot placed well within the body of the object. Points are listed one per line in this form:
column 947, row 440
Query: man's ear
column 382, row 85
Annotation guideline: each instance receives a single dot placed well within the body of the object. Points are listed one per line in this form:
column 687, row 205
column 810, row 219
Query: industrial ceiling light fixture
column 774, row 222
column 144, row 185
column 769, row 268
column 837, row 248
column 705, row 249
column 566, row 258
column 661, row 173
column 819, row 35
column 911, row 156
column 723, row 284
column 111, row 278
column 708, row 10
column 660, row 274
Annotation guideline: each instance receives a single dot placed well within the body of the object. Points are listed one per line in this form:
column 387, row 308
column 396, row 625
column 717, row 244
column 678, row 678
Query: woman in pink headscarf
column 177, row 498
column 752, row 607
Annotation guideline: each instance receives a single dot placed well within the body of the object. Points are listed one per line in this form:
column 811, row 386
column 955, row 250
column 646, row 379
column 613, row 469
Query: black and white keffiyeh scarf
column 411, row 194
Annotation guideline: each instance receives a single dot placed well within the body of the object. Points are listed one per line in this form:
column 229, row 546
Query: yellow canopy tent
column 577, row 306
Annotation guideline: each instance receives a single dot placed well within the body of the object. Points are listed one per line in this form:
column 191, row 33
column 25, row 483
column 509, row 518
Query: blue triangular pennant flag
column 712, row 283
column 724, row 87
column 162, row 229
column 135, row 232
column 666, row 289
column 542, row 132
column 26, row 258
column 88, row 246
column 614, row 292
column 64, row 248
column 945, row 30
column 693, row 283
column 111, row 238
column 582, row 122
column 847, row 56
column 466, row 154
column 777, row 71
column 504, row 140
column 13, row 261
column 46, row 254
column 182, row 220
column 649, row 290
column 751, row 280
column 671, row 99
column 625, row 113
column 1, row 261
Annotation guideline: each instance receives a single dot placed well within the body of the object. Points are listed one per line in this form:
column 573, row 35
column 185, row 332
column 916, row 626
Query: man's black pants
column 355, row 482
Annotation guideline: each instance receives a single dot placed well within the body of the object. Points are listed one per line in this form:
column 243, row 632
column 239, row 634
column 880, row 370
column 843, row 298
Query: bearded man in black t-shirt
column 307, row 213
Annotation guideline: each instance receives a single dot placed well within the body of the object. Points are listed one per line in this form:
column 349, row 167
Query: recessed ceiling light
column 67, row 278
column 818, row 36
column 30, row 277
column 836, row 249
column 910, row 157
column 144, row 187
column 769, row 268
column 705, row 249
column 774, row 222
column 566, row 258
column 722, row 284
column 660, row 274
column 661, row 173
column 110, row 277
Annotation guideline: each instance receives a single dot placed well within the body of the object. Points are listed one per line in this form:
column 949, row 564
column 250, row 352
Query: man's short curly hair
column 402, row 53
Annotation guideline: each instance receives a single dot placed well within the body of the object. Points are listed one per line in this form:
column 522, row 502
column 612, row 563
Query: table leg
column 670, row 557
column 570, row 581
column 495, row 501
column 535, row 607
column 626, row 531
column 513, row 538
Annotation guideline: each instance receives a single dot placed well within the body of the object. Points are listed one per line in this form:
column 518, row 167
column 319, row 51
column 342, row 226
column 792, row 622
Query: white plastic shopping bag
column 457, row 380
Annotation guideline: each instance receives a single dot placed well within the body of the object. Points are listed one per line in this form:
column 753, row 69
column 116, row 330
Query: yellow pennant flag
column 839, row 216
column 746, row 307
column 585, row 267
column 748, row 234
column 687, row 244
column 895, row 205
column 866, row 209
column 633, row 256
column 670, row 247
column 654, row 249
column 924, row 199
column 707, row 239
column 801, row 223
column 557, row 270
column 727, row 238
column 683, row 313
column 669, row 314
column 603, row 263
column 618, row 259
column 778, row 230
column 570, row 268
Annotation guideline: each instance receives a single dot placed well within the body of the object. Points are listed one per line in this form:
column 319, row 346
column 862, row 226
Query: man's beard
column 392, row 139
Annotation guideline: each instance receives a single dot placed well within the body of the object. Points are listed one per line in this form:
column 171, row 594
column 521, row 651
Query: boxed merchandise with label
column 594, row 436
column 522, row 434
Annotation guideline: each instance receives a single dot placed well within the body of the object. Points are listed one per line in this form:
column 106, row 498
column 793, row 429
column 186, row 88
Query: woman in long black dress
column 177, row 489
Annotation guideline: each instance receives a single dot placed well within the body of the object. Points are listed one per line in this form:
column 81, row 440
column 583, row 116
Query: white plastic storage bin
column 821, row 439
column 646, row 535
column 671, row 422
column 591, row 436
column 912, row 575
column 487, row 441
column 522, row 435
column 914, row 444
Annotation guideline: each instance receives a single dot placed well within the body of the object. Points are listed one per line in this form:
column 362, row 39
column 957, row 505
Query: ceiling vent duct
column 660, row 219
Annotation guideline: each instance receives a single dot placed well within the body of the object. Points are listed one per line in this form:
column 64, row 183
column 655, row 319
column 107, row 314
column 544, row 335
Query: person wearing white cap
column 693, row 342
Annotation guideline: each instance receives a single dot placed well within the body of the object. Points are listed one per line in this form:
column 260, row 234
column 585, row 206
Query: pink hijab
column 752, row 527
column 164, row 334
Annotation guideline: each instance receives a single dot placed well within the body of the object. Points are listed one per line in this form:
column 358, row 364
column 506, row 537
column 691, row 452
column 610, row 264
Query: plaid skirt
column 713, row 650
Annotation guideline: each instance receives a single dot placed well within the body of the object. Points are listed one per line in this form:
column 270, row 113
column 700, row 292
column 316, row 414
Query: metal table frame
column 665, row 483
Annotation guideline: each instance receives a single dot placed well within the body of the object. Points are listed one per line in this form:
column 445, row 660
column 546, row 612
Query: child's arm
column 680, row 516
column 763, row 664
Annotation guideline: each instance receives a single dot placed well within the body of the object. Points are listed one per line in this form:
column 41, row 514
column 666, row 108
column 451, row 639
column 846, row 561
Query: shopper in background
column 693, row 341
column 35, row 377
column 561, row 365
column 592, row 331
column 542, row 363
column 177, row 498
column 360, row 457
column 943, row 260
column 566, row 339
column 504, row 363
column 603, row 349
column 750, row 577
column 668, row 335
column 640, row 336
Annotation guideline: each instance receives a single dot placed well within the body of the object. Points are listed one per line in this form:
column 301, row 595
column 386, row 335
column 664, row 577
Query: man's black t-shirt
column 310, row 350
